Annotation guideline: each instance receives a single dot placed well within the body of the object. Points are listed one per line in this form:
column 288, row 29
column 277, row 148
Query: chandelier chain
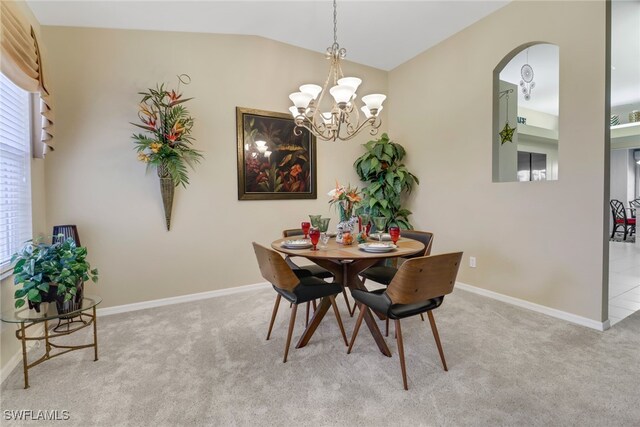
column 335, row 22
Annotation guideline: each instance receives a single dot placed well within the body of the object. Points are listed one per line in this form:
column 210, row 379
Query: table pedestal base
column 345, row 273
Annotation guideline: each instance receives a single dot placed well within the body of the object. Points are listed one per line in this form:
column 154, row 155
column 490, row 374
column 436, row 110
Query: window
column 532, row 166
column 15, row 182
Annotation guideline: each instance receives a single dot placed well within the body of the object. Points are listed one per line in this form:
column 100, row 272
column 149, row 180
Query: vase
column 74, row 304
column 48, row 297
column 167, row 189
column 348, row 221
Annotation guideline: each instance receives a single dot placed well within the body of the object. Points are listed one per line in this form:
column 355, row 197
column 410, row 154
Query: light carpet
column 208, row 363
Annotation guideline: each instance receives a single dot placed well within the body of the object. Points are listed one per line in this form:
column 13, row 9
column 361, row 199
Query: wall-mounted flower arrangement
column 166, row 143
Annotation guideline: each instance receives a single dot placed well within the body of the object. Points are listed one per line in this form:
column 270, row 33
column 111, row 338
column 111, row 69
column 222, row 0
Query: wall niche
column 526, row 98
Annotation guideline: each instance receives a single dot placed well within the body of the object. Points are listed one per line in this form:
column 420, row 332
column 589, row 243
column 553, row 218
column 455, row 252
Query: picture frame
column 273, row 162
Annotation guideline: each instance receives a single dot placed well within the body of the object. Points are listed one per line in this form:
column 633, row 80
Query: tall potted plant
column 166, row 143
column 51, row 272
column 388, row 179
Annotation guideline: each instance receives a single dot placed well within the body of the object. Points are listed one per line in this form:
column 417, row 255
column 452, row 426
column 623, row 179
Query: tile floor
column 624, row 280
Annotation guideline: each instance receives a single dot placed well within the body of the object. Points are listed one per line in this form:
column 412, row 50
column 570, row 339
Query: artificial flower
column 155, row 146
column 143, row 157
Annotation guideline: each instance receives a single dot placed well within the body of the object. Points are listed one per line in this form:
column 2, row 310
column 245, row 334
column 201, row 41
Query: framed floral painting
column 273, row 162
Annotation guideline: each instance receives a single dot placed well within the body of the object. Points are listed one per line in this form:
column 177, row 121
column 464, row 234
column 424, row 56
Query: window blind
column 22, row 64
column 15, row 185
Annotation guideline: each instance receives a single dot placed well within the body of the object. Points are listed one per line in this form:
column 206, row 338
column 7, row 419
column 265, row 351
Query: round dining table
column 345, row 262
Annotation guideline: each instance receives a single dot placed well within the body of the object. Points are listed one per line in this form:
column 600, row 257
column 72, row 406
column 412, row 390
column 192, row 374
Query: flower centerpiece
column 345, row 199
column 166, row 143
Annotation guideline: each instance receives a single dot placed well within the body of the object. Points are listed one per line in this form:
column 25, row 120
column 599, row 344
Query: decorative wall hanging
column 273, row 161
column 166, row 143
column 506, row 134
column 527, row 84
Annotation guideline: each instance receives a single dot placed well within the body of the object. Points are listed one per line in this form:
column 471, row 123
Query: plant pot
column 48, row 297
column 73, row 304
column 167, row 189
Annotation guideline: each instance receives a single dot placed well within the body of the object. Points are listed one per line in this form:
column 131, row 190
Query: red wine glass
column 305, row 228
column 394, row 232
column 315, row 237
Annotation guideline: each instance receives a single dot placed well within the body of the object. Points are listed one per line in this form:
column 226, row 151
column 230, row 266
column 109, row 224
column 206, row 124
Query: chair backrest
column 274, row 269
column 69, row 231
column 422, row 236
column 420, row 279
column 617, row 210
column 292, row 232
column 635, row 203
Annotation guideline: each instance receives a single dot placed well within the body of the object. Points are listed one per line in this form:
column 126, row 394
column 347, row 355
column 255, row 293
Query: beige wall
column 540, row 241
column 95, row 181
column 8, row 343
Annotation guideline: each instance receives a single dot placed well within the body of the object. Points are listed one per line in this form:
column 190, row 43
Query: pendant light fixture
column 340, row 119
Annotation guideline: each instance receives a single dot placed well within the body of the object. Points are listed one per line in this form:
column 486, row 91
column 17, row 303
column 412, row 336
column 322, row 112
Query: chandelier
column 342, row 120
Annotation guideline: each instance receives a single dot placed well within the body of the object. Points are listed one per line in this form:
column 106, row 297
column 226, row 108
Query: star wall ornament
column 506, row 134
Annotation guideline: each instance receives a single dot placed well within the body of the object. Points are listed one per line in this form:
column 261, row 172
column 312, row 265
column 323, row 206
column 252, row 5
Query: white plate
column 377, row 247
column 386, row 237
column 296, row 244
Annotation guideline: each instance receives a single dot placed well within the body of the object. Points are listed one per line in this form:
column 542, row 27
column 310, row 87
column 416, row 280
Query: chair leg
column 346, row 300
column 357, row 327
column 292, row 322
column 422, row 316
column 434, row 329
column 273, row 315
column 401, row 354
column 339, row 319
column 306, row 321
column 386, row 327
column 315, row 306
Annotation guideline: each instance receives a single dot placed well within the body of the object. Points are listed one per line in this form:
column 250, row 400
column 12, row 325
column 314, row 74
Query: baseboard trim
column 559, row 314
column 179, row 299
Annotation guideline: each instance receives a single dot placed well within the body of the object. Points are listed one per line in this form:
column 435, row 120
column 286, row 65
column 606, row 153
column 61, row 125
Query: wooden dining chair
column 294, row 289
column 383, row 274
column 68, row 231
column 419, row 286
column 311, row 270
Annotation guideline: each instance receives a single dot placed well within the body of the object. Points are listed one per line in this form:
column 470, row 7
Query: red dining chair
column 620, row 219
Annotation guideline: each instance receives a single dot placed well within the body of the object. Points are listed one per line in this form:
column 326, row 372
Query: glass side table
column 68, row 323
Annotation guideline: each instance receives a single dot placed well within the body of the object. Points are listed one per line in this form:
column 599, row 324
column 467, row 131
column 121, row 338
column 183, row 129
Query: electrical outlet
column 472, row 262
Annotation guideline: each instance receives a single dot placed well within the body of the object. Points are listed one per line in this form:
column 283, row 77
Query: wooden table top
column 336, row 251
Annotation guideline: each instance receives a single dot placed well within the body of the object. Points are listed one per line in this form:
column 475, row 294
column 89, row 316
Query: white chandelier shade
column 339, row 119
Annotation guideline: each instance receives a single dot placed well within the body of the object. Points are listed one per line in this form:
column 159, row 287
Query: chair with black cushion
column 310, row 270
column 68, row 231
column 620, row 219
column 294, row 289
column 383, row 274
column 419, row 286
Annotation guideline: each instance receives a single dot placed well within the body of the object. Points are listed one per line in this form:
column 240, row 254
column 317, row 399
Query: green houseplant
column 167, row 141
column 388, row 179
column 51, row 272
